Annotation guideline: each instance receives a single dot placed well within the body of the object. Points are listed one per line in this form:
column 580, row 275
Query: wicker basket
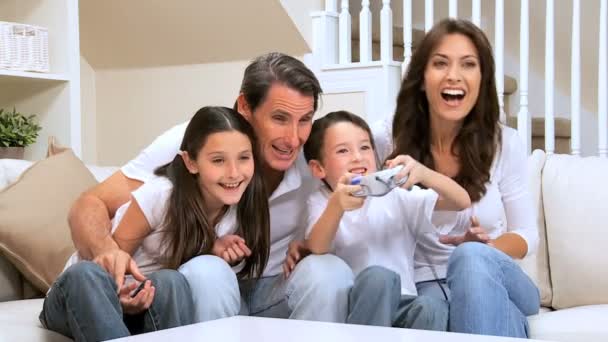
column 24, row 47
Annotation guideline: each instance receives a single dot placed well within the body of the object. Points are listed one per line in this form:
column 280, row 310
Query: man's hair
column 276, row 67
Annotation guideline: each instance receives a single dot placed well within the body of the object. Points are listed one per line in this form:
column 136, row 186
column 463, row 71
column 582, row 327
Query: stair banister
column 603, row 83
column 386, row 32
column 344, row 33
column 499, row 42
column 407, row 35
column 453, row 9
column 365, row 33
column 524, row 121
column 428, row 15
column 476, row 15
column 549, row 79
column 575, row 79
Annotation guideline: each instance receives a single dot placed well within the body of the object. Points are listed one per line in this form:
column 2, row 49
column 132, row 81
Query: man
column 278, row 96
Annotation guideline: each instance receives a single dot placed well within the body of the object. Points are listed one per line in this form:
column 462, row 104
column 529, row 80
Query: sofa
column 569, row 192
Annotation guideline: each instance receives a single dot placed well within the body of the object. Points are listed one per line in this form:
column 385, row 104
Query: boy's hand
column 231, row 248
column 416, row 172
column 342, row 195
column 138, row 303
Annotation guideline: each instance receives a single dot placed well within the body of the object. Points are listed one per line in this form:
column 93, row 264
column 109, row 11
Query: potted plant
column 16, row 132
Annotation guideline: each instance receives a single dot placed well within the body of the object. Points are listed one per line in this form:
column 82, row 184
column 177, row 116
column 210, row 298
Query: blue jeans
column 82, row 304
column 316, row 290
column 376, row 299
column 489, row 293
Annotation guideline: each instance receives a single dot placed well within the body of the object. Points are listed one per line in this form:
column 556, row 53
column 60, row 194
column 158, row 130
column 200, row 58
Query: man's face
column 282, row 124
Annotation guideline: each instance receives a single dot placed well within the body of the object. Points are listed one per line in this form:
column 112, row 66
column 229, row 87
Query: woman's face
column 452, row 78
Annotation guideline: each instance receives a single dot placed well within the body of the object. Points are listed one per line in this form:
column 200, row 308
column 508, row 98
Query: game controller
column 379, row 183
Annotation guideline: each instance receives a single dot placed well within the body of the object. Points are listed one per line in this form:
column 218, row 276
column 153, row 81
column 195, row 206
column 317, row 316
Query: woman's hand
column 138, row 303
column 474, row 234
column 416, row 172
column 231, row 248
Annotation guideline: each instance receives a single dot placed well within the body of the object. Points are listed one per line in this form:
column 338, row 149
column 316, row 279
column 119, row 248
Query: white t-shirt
column 383, row 232
column 506, row 206
column 153, row 199
column 287, row 203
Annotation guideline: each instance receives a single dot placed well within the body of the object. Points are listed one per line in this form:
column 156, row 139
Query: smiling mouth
column 453, row 95
column 283, row 152
column 231, row 186
column 358, row 170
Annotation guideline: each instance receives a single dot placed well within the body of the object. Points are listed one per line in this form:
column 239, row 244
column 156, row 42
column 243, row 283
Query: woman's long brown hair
column 187, row 229
column 477, row 141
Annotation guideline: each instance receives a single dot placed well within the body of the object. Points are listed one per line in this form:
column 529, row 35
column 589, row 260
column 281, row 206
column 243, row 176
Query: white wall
column 136, row 105
column 88, row 105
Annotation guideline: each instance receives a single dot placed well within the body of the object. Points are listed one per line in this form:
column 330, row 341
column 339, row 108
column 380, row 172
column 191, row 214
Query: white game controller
column 379, row 183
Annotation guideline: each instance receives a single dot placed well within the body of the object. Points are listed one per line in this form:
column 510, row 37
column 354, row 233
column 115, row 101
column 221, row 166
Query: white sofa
column 571, row 267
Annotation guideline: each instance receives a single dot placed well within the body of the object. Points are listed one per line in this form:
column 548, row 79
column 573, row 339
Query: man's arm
column 90, row 215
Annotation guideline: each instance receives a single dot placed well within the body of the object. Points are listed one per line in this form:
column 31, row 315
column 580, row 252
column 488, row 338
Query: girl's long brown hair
column 476, row 143
column 188, row 230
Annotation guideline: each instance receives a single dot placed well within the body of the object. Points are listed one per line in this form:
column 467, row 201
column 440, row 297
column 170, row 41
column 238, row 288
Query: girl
column 209, row 200
column 376, row 235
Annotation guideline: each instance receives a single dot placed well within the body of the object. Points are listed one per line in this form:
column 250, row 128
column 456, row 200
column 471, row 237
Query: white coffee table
column 251, row 329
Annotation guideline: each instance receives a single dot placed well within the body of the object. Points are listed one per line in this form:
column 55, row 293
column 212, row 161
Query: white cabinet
column 55, row 96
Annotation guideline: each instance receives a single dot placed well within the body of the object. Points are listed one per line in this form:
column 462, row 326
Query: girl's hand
column 474, row 234
column 416, row 172
column 342, row 195
column 140, row 302
column 231, row 248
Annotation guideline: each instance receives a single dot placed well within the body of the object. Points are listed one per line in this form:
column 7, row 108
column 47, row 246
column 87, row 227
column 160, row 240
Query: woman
column 447, row 117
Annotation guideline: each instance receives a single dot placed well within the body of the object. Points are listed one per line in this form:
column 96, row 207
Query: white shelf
column 12, row 74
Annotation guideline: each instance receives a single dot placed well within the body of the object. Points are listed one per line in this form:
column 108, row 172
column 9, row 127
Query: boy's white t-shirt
column 505, row 208
column 153, row 199
column 287, row 204
column 383, row 232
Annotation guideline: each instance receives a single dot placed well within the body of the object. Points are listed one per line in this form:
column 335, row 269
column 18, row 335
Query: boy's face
column 346, row 148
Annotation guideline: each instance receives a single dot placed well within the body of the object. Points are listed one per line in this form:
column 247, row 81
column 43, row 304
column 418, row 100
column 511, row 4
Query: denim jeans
column 316, row 290
column 82, row 304
column 376, row 299
column 489, row 293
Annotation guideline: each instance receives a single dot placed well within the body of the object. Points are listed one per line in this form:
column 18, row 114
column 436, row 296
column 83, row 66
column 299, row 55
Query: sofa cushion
column 575, row 193
column 34, row 233
column 537, row 265
column 584, row 323
column 19, row 322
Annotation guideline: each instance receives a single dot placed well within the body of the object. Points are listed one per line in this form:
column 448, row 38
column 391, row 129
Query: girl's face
column 452, row 78
column 225, row 167
column 346, row 148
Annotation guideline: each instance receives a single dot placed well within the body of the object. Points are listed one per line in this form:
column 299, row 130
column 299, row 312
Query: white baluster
column 386, row 32
column 523, row 117
column 549, row 79
column 575, row 79
column 365, row 32
column 428, row 15
column 345, row 34
column 499, row 42
column 453, row 11
column 602, row 88
column 331, row 6
column 407, row 35
column 476, row 15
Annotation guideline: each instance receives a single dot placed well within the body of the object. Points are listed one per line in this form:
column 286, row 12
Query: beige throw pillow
column 34, row 232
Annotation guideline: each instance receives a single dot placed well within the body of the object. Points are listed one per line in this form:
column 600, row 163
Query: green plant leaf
column 16, row 129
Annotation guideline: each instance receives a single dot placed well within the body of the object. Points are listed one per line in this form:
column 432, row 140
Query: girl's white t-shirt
column 505, row 208
column 153, row 199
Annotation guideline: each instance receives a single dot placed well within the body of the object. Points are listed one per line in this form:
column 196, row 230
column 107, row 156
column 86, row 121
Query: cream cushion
column 581, row 324
column 575, row 195
column 34, row 232
column 20, row 322
column 536, row 265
